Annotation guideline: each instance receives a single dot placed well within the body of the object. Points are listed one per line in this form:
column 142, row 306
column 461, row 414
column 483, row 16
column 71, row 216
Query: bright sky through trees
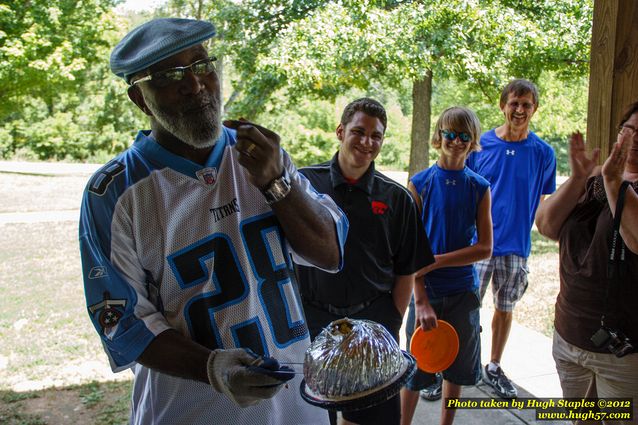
column 138, row 5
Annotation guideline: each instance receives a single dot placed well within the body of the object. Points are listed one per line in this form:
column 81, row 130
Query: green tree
column 292, row 63
column 311, row 48
column 46, row 46
column 60, row 100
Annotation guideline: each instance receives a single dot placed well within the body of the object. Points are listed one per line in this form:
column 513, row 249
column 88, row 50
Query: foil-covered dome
column 351, row 357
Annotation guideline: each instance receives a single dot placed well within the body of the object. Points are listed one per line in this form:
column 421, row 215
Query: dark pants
column 461, row 311
column 382, row 311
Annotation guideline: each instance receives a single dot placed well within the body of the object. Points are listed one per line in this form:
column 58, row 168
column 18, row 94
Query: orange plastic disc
column 436, row 349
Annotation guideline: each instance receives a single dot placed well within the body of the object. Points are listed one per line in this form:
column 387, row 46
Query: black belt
column 342, row 311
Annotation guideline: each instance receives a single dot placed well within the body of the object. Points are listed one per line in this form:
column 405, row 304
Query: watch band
column 278, row 189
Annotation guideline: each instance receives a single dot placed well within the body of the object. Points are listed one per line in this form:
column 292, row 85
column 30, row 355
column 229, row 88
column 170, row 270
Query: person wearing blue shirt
column 454, row 203
column 521, row 169
column 186, row 241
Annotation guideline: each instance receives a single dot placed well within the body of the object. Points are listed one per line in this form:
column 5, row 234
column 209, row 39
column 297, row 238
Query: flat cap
column 156, row 40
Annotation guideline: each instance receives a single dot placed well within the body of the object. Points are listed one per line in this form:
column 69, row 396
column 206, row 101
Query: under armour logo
column 450, row 182
column 510, row 152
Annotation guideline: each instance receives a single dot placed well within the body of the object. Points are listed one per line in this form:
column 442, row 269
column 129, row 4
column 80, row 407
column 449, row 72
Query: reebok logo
column 98, row 272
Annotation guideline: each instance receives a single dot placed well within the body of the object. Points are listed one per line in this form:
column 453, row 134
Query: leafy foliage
column 46, row 46
column 292, row 64
column 336, row 46
column 339, row 45
column 62, row 102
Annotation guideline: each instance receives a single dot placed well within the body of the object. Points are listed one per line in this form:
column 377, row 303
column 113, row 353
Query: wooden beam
column 613, row 79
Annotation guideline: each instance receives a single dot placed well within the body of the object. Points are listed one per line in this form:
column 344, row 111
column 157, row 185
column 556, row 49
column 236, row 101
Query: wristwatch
column 278, row 189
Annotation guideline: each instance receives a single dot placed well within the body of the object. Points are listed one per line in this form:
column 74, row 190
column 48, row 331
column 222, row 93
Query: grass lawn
column 52, row 367
column 104, row 403
column 536, row 308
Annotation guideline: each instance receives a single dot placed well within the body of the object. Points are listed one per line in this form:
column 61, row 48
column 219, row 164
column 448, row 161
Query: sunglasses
column 166, row 77
column 451, row 135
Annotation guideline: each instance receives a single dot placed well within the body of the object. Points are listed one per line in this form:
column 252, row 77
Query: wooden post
column 613, row 78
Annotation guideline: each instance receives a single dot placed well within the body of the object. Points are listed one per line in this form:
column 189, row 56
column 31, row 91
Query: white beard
column 197, row 123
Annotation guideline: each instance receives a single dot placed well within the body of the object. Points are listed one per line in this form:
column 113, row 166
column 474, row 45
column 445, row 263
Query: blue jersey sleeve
column 114, row 303
column 338, row 216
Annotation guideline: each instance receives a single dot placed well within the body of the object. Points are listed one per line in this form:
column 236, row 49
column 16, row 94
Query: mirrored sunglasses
column 451, row 135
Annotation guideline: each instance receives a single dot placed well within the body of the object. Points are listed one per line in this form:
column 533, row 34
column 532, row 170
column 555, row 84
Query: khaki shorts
column 585, row 374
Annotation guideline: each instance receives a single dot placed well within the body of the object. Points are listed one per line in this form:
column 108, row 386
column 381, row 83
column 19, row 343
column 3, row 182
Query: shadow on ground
column 105, row 403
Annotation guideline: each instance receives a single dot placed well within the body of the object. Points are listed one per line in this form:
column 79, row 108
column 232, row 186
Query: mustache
column 200, row 102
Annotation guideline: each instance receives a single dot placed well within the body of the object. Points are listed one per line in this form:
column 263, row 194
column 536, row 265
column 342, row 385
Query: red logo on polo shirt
column 379, row 208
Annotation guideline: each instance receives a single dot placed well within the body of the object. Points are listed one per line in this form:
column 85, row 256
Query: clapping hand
column 614, row 166
column 259, row 152
column 580, row 163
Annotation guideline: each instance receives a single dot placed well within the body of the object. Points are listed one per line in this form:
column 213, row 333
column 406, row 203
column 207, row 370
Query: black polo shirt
column 386, row 237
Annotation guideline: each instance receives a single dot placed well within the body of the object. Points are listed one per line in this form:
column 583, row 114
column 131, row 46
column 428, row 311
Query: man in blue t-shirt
column 521, row 169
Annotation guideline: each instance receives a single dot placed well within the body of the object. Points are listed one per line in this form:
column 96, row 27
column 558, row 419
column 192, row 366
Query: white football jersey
column 170, row 244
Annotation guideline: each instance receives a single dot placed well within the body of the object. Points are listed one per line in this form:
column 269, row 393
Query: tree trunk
column 421, row 113
column 219, row 68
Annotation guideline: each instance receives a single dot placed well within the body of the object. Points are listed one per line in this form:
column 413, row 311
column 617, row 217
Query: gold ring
column 250, row 149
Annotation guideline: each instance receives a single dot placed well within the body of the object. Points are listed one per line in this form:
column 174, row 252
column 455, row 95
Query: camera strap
column 617, row 251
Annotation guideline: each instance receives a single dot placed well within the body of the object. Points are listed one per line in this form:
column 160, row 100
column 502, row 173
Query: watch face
column 278, row 189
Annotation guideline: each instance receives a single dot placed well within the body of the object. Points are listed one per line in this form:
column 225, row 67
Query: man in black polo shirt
column 386, row 242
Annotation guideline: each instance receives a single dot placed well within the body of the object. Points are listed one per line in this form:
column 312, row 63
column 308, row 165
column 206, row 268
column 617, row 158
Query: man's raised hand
column 259, row 152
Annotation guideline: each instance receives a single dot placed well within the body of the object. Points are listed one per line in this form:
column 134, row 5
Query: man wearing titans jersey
column 186, row 241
